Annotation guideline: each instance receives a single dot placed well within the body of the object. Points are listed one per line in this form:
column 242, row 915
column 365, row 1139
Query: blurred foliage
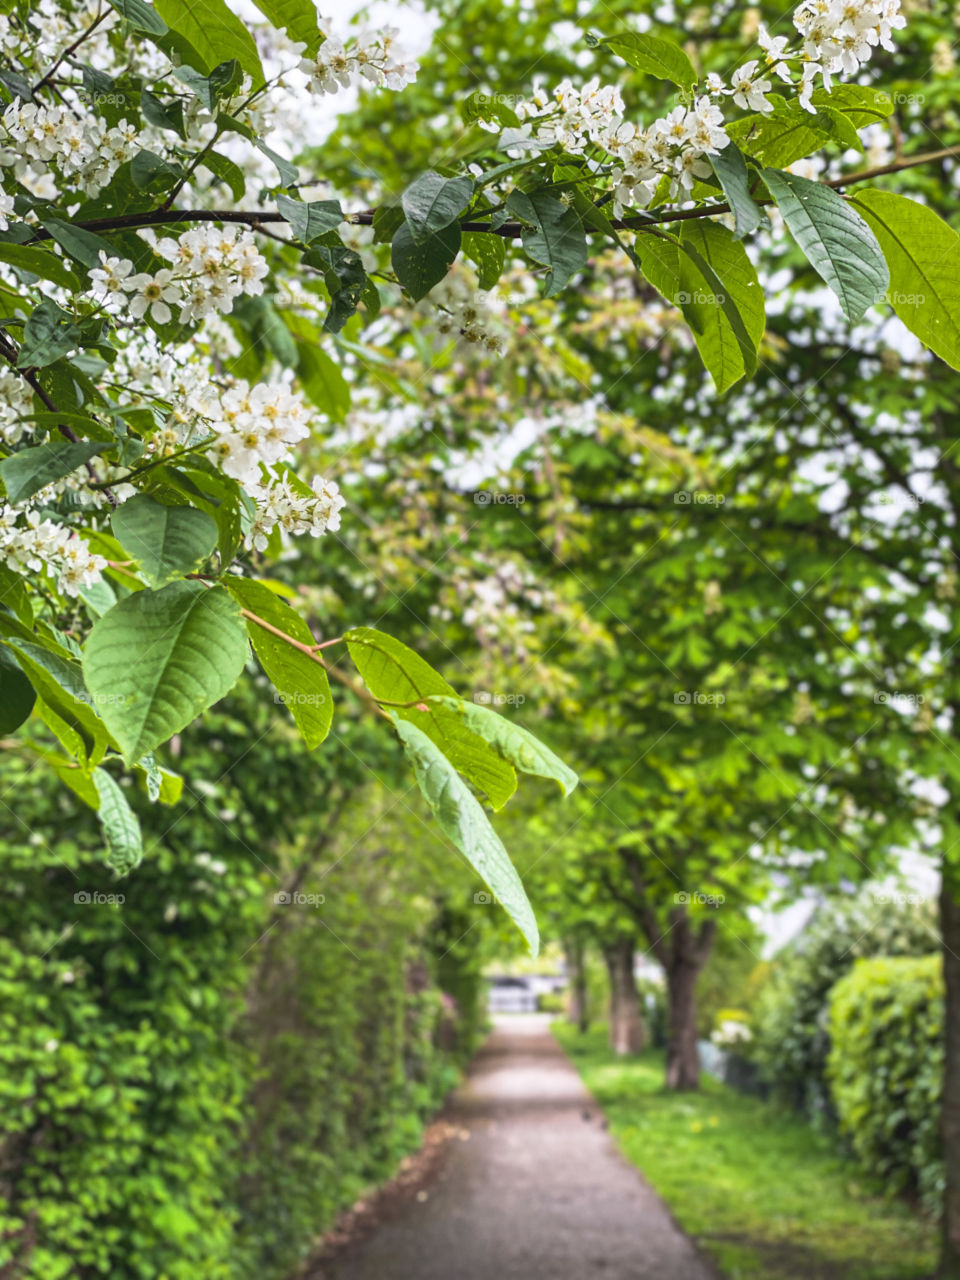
column 886, row 1066
column 792, row 1012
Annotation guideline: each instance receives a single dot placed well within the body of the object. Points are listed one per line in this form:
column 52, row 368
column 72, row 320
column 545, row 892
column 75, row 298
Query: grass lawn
column 761, row 1193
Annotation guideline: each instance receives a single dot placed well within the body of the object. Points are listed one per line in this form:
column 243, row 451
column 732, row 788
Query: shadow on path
column 537, row 1193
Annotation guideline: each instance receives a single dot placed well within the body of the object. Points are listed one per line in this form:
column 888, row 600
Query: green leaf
column 17, row 694
column 461, row 818
column 39, row 262
column 297, row 17
column 60, row 688
column 322, row 380
column 141, row 16
column 289, row 173
column 394, row 673
column 222, row 82
column 433, row 202
column 923, row 254
column 301, row 682
column 837, row 242
column 516, row 744
column 657, row 57
column 161, row 784
column 165, row 115
column 167, row 542
column 310, row 221
column 722, row 301
column 121, row 828
column 159, row 658
column 227, row 171
column 214, row 33
column 28, row 470
column 48, row 334
column 558, row 239
column 148, row 169
column 488, row 252
column 80, row 244
column 419, row 266
column 731, row 171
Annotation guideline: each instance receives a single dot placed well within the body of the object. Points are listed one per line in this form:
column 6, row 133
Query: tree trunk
column 949, row 1268
column 683, row 1057
column 626, row 1021
column 577, row 1007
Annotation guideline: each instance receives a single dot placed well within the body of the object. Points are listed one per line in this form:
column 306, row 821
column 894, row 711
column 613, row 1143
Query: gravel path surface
column 537, row 1192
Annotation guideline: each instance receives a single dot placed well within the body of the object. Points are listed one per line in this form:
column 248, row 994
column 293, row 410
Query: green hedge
column 194, row 1082
column 885, row 1068
column 790, row 1017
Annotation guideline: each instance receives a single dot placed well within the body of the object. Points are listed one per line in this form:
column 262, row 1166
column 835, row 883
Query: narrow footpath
column 537, row 1192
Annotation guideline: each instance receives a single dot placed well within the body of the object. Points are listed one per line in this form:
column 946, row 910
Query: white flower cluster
column 371, row 57
column 28, row 541
column 295, row 512
column 85, row 152
column 255, row 426
column 585, row 115
column 838, row 36
column 16, row 402
column 212, row 266
column 674, row 146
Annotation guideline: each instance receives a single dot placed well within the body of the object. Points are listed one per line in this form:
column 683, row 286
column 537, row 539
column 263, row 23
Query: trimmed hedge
column 885, row 1069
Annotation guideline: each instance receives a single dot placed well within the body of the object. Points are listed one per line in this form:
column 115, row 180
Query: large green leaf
column 120, row 825
column 923, row 254
column 433, row 202
column 838, row 243
column 554, row 236
column 297, row 17
column 516, row 744
column 721, row 300
column 167, row 542
column 28, row 470
column 159, row 658
column 395, row 674
column 422, row 264
column 655, row 56
column 301, row 682
column 213, row 32
column 461, row 818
